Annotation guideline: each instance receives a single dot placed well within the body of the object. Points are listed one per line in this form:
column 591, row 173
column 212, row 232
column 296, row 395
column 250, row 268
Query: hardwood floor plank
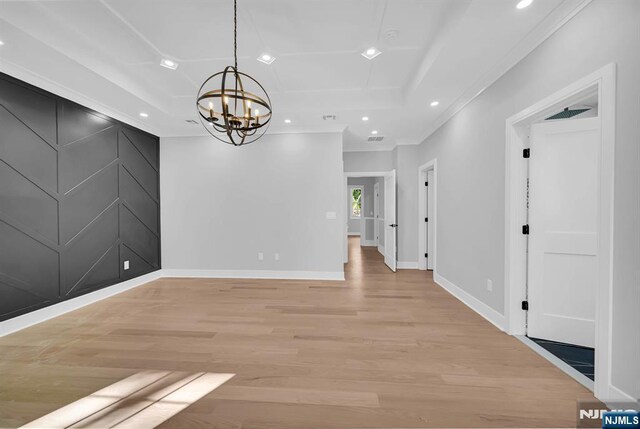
column 379, row 350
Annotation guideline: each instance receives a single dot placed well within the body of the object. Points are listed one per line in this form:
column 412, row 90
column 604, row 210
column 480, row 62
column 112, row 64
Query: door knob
column 394, row 225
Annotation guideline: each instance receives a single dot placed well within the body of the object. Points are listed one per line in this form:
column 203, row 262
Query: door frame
column 603, row 83
column 376, row 212
column 346, row 175
column 422, row 213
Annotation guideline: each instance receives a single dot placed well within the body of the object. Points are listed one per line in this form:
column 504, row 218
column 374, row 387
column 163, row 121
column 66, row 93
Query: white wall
column 471, row 167
column 221, row 205
column 369, row 161
column 407, row 200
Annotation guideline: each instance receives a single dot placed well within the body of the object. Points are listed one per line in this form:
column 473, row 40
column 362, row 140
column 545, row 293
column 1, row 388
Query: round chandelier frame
column 232, row 112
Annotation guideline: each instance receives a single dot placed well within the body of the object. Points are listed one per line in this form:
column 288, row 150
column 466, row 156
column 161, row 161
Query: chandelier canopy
column 233, row 107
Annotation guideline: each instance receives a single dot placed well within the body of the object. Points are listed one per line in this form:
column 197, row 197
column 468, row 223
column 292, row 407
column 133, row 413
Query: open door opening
column 569, row 228
column 370, row 223
column 427, row 215
column 562, row 234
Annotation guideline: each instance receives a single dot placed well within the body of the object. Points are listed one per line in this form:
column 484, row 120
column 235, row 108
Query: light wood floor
column 379, row 350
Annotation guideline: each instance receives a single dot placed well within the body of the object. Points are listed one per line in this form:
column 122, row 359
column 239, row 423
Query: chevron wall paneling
column 79, row 196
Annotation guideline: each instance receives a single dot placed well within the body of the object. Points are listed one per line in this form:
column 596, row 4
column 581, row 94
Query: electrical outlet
column 277, row 256
column 260, row 256
column 126, row 265
column 489, row 285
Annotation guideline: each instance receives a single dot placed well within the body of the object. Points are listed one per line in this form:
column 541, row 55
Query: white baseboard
column 617, row 395
column 255, row 274
column 471, row 301
column 404, row 265
column 381, row 249
column 357, row 234
column 24, row 321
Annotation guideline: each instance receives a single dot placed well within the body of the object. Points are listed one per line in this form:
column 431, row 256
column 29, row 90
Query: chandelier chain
column 235, row 32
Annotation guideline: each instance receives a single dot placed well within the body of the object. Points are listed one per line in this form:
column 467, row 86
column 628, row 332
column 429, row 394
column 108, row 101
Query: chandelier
column 233, row 107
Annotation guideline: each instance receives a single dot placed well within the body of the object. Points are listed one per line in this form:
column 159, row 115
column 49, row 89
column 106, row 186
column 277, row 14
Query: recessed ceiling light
column 1, row 43
column 169, row 64
column 266, row 58
column 434, row 103
column 524, row 3
column 287, row 121
column 144, row 115
column 371, row 53
column 365, row 118
column 374, row 132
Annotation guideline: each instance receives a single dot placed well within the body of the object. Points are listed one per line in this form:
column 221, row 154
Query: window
column 356, row 202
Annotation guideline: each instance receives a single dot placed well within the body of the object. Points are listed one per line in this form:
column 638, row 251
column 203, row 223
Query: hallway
column 379, row 350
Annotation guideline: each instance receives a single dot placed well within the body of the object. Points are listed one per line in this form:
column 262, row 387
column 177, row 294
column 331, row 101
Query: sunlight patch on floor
column 144, row 399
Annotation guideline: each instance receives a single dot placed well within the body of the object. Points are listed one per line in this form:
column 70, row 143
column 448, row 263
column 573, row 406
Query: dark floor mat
column 580, row 358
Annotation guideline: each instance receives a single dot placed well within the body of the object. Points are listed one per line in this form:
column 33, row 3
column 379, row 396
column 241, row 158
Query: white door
column 563, row 230
column 376, row 213
column 390, row 226
column 430, row 220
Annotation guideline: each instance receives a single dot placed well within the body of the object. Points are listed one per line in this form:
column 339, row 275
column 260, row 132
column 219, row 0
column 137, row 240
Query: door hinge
column 426, row 219
column 426, row 255
column 525, row 305
column 426, row 183
column 526, row 153
column 525, row 229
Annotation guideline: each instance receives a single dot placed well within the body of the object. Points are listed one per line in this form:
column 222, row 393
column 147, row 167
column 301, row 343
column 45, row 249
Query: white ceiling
column 106, row 54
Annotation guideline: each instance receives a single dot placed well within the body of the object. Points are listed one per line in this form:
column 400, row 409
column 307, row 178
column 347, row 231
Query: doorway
column 427, row 215
column 563, row 158
column 372, row 217
column 557, row 232
column 376, row 215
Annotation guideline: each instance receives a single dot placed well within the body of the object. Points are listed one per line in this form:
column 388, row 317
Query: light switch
column 332, row 215
column 126, row 265
column 260, row 256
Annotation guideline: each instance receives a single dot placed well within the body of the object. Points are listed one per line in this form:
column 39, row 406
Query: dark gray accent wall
column 79, row 195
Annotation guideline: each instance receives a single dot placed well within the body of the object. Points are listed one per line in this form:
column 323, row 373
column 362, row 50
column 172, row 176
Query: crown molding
column 37, row 80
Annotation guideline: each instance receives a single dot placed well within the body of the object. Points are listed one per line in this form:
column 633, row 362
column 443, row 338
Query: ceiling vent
column 329, row 117
column 191, row 121
column 375, row 138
